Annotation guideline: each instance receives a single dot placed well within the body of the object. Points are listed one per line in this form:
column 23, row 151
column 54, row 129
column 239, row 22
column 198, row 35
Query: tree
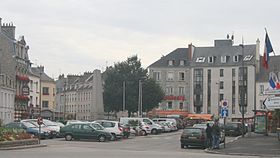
column 130, row 72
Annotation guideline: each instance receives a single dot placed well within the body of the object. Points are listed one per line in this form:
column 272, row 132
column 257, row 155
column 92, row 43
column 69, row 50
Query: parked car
column 84, row 131
column 158, row 120
column 234, row 129
column 204, row 126
column 155, row 128
column 192, row 136
column 114, row 127
column 30, row 128
column 165, row 126
column 172, row 126
column 47, row 124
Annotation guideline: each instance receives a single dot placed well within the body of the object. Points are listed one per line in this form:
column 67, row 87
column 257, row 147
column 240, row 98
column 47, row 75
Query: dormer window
column 170, row 62
column 200, row 59
column 211, row 59
column 224, row 59
column 182, row 62
column 235, row 58
column 248, row 58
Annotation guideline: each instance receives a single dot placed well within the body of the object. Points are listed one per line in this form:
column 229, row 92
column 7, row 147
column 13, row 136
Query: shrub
column 7, row 134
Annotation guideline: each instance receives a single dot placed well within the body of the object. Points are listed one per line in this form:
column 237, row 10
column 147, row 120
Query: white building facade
column 214, row 76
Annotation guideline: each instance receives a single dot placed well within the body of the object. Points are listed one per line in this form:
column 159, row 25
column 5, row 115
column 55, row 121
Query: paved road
column 156, row 146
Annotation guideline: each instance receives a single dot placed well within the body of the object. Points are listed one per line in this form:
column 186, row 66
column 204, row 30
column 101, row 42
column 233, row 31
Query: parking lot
column 163, row 145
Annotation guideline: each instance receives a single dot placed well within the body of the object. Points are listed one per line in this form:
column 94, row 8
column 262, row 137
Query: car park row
column 101, row 130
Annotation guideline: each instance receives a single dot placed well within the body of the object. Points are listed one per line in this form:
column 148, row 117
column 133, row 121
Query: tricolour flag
column 267, row 50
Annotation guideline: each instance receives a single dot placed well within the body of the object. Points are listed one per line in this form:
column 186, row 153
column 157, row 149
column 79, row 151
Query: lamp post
column 140, row 99
column 242, row 92
column 218, row 94
column 123, row 96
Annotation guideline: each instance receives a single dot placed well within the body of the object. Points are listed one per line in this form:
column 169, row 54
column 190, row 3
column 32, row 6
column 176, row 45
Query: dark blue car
column 29, row 128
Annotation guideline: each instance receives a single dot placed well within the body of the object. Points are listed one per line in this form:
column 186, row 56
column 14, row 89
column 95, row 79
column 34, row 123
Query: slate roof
column 221, row 48
column 44, row 76
column 176, row 55
column 273, row 66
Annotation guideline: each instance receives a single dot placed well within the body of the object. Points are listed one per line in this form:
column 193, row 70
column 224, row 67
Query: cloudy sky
column 74, row 36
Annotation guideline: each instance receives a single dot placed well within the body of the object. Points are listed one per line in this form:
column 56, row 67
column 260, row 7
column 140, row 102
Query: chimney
column 9, row 29
column 41, row 68
column 190, row 51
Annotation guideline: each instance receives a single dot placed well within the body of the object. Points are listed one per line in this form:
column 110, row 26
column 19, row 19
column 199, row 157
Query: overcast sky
column 74, row 36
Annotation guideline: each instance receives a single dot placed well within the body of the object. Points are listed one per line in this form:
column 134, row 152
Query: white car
column 166, row 127
column 53, row 127
column 114, row 127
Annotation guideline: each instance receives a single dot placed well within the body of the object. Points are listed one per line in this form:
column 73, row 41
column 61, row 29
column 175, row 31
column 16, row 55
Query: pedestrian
column 216, row 135
column 209, row 136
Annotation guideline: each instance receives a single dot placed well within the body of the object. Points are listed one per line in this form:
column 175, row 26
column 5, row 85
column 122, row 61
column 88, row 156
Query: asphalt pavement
column 252, row 145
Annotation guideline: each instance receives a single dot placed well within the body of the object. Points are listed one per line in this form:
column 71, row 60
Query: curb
column 24, row 147
column 237, row 154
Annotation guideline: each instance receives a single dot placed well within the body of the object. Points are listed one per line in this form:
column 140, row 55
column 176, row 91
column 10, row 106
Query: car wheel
column 143, row 133
column 101, row 138
column 154, row 131
column 68, row 137
column 182, row 146
column 113, row 137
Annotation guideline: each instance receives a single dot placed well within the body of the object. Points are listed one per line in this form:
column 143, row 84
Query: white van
column 157, row 120
column 155, row 128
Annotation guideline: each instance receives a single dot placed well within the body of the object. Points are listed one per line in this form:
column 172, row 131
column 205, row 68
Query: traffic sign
column 272, row 92
column 40, row 121
column 272, row 103
column 224, row 112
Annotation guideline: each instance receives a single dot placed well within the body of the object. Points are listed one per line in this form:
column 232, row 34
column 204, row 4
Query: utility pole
column 123, row 96
column 140, row 99
column 242, row 89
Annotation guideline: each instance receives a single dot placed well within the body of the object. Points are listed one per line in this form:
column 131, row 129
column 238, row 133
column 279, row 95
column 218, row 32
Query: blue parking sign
column 224, row 112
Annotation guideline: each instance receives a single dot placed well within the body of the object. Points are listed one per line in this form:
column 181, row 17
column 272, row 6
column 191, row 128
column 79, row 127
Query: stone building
column 34, row 93
column 7, row 75
column 202, row 79
column 84, row 96
column 18, row 50
column 47, row 97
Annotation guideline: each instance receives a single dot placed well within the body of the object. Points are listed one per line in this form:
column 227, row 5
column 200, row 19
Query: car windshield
column 49, row 123
column 97, row 126
column 232, row 125
column 29, row 125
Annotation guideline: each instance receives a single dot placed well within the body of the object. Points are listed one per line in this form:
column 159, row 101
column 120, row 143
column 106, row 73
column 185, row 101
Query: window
column 181, row 90
column 261, row 89
column 86, row 127
column 233, row 73
column 169, row 105
column 248, row 58
column 169, row 90
column 45, row 90
column 181, row 76
column 235, row 58
column 221, row 85
column 31, row 86
column 200, row 59
column 223, row 59
column 45, row 104
column 181, row 105
column 221, row 72
column 182, row 62
column 170, row 62
column 170, row 76
column 211, row 59
column 157, row 76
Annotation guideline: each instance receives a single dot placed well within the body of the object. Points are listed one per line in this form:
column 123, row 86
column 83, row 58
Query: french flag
column 267, row 50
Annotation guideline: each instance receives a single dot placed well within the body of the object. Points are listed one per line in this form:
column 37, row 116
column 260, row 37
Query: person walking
column 209, row 136
column 216, row 135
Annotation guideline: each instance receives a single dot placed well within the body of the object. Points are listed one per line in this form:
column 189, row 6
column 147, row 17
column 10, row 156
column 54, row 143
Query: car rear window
column 192, row 131
column 232, row 125
column 108, row 124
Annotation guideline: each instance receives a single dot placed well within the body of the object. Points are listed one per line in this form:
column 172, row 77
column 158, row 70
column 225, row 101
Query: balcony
column 21, row 98
column 22, row 78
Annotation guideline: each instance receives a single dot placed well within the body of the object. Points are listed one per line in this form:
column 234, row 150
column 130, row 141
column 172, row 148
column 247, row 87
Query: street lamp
column 242, row 92
column 218, row 94
column 140, row 106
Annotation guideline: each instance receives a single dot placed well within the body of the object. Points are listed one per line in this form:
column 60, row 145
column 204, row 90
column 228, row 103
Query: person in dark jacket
column 209, row 136
column 216, row 135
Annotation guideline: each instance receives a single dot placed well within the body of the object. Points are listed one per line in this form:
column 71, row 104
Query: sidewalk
column 252, row 145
